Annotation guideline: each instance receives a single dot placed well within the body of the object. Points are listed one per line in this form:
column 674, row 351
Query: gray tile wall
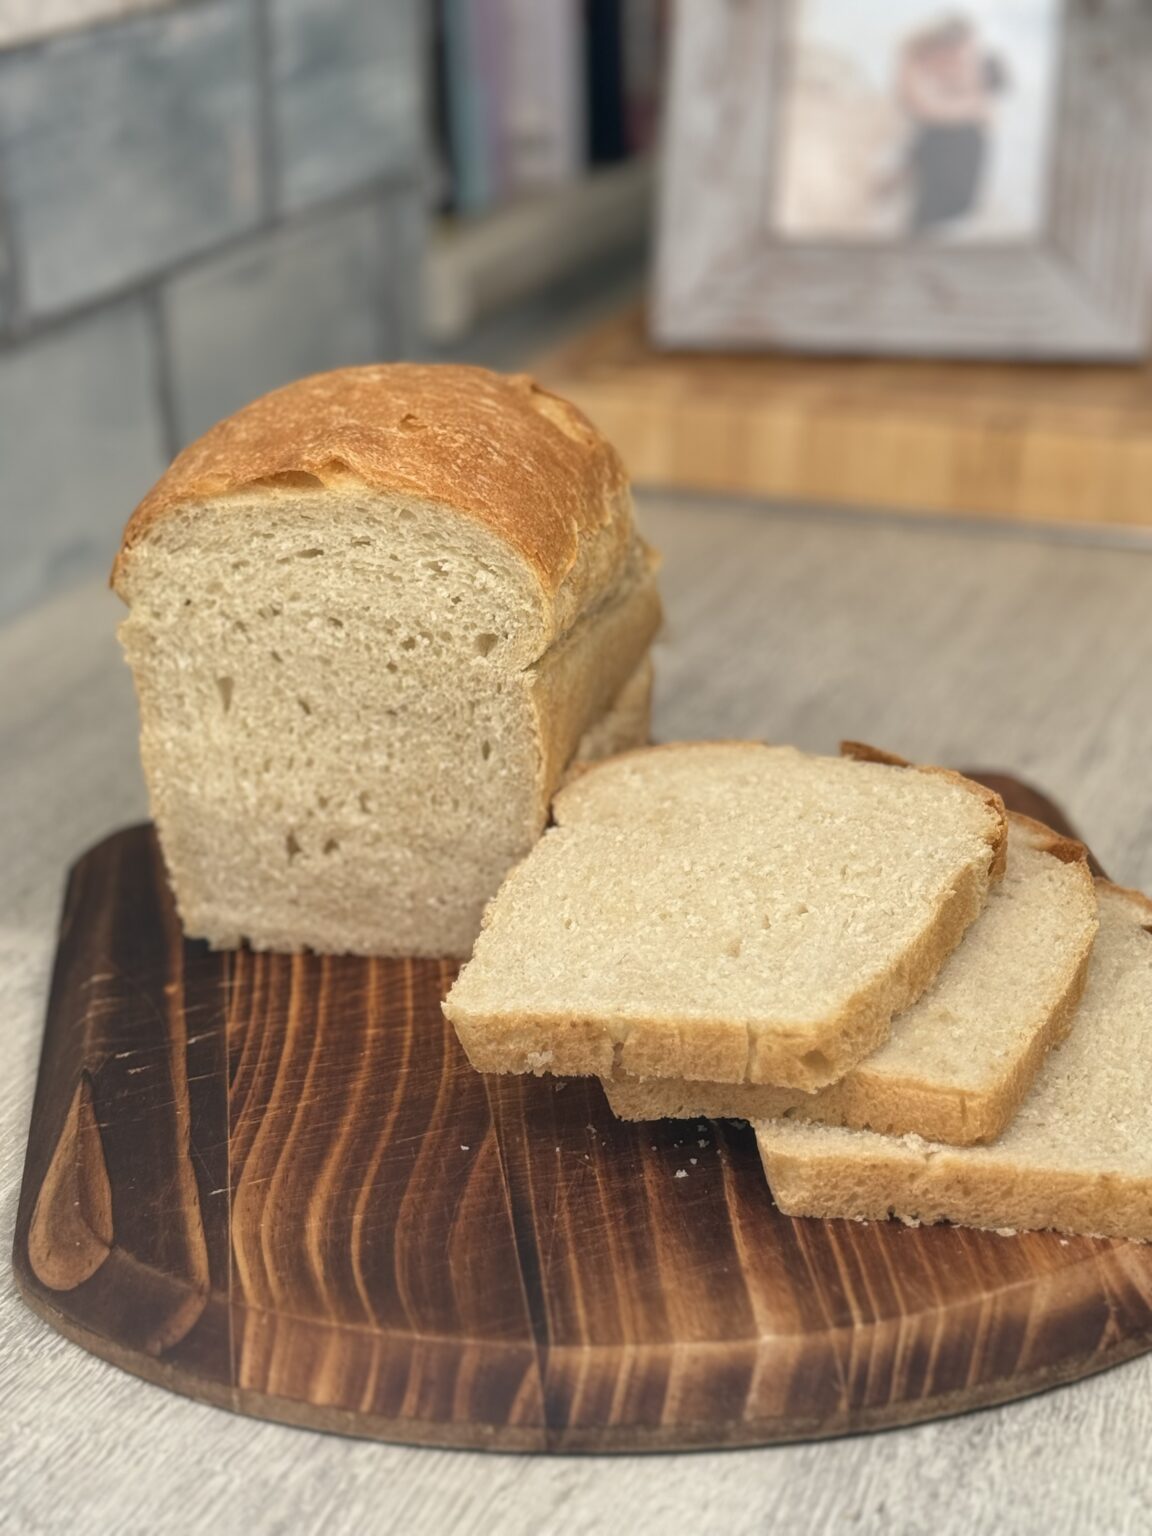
column 81, row 440
column 5, row 269
column 347, row 91
column 196, row 204
column 128, row 147
column 23, row 20
column 409, row 241
column 301, row 299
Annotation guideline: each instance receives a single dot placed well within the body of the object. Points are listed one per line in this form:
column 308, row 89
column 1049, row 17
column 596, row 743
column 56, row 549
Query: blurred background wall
column 197, row 201
column 202, row 199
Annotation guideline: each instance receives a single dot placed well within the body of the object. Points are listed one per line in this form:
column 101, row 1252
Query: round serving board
column 275, row 1184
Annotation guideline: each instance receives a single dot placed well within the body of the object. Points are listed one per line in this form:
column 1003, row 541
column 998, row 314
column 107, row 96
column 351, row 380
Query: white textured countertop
column 962, row 645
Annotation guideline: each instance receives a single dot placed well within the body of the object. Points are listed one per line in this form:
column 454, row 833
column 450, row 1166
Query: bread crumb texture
column 371, row 617
column 1078, row 1155
column 754, row 909
column 959, row 1061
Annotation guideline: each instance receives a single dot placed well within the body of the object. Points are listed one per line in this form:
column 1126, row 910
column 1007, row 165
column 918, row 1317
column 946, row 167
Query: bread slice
column 728, row 911
column 960, row 1060
column 1077, row 1157
column 371, row 617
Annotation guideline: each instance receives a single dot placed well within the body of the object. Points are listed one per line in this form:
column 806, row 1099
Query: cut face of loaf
column 960, row 1060
column 1077, row 1157
column 727, row 911
column 357, row 700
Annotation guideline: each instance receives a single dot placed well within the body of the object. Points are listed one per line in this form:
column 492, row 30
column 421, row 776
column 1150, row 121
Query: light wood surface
column 1038, row 443
column 949, row 643
column 476, row 266
column 274, row 1183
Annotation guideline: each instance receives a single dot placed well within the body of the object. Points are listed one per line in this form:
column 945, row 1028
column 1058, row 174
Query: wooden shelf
column 1038, row 443
column 476, row 265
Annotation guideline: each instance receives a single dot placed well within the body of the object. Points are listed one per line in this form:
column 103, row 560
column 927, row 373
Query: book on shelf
column 543, row 114
column 530, row 95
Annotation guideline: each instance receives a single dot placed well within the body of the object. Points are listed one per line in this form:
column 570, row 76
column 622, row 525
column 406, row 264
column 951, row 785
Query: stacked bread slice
column 870, row 961
column 727, row 912
column 1077, row 1157
column 959, row 1061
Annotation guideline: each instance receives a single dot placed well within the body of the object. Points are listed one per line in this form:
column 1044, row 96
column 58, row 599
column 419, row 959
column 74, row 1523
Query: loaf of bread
column 1077, row 1157
column 961, row 1059
column 371, row 618
column 626, row 725
column 727, row 911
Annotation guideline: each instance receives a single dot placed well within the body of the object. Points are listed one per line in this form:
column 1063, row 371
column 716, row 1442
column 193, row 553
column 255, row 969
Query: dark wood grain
column 274, row 1183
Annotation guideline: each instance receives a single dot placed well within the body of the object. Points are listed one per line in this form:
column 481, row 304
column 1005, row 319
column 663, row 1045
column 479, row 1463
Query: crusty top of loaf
column 494, row 447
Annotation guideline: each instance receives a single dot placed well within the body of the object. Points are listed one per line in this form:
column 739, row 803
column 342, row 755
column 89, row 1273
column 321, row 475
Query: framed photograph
column 969, row 179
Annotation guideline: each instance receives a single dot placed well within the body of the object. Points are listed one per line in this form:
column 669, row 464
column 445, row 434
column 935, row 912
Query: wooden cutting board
column 1035, row 443
column 274, row 1183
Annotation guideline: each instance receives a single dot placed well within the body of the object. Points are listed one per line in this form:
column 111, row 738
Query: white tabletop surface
column 945, row 643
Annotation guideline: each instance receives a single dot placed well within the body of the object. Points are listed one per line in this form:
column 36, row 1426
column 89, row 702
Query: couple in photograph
column 947, row 85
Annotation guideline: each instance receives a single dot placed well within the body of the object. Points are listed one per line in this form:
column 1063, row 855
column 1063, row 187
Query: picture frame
column 1075, row 281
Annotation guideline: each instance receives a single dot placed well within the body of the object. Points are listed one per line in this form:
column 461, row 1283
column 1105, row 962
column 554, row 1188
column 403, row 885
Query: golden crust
column 623, row 727
column 1069, row 850
column 575, row 680
column 716, row 1050
column 878, row 1184
column 898, row 1107
column 1137, row 899
column 495, row 448
column 923, row 1183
